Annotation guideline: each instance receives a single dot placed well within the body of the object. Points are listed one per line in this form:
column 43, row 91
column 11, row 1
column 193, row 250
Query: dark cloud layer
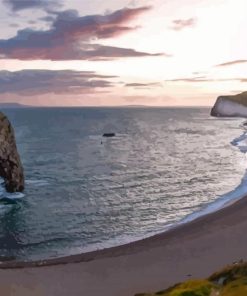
column 181, row 24
column 231, row 63
column 32, row 82
column 71, row 37
column 17, row 5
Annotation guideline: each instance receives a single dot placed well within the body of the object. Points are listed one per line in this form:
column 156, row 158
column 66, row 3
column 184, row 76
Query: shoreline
column 223, row 202
column 192, row 250
column 131, row 247
column 188, row 249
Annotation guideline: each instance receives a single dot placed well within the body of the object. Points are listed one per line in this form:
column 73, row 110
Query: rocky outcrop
column 109, row 135
column 231, row 106
column 11, row 169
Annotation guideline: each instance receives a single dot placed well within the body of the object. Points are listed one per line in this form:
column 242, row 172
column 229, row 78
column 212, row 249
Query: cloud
column 192, row 79
column 47, row 19
column 236, row 62
column 180, row 24
column 143, row 85
column 205, row 79
column 17, row 5
column 237, row 91
column 32, row 22
column 38, row 82
column 71, row 37
column 14, row 25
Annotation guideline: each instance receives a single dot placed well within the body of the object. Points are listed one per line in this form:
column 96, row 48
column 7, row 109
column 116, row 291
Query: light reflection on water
column 85, row 192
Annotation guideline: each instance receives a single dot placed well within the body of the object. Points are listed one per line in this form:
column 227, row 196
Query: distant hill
column 12, row 105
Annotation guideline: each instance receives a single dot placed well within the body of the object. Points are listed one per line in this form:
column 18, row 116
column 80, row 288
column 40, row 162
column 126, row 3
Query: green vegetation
column 240, row 98
column 231, row 281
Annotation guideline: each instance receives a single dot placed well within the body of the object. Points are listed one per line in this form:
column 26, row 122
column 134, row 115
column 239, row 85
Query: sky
column 122, row 52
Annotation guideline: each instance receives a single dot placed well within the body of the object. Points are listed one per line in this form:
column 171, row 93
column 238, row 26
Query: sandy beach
column 195, row 249
column 123, row 123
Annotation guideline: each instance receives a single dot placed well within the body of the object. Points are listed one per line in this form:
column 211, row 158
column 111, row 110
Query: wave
column 224, row 200
column 7, row 200
column 37, row 182
column 228, row 198
column 6, row 195
column 241, row 142
column 136, row 178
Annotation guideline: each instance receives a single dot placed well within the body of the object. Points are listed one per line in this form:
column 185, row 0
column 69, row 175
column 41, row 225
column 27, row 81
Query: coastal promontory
column 231, row 106
column 11, row 169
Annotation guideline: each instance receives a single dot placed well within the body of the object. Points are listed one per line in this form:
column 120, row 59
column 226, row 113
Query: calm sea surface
column 85, row 192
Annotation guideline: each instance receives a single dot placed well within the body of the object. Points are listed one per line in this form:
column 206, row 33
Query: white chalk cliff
column 233, row 106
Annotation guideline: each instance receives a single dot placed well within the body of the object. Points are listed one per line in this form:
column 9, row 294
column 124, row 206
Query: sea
column 86, row 192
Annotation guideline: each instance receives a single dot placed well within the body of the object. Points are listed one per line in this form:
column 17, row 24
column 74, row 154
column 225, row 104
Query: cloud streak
column 180, row 24
column 74, row 37
column 231, row 63
column 200, row 79
column 143, row 85
column 39, row 82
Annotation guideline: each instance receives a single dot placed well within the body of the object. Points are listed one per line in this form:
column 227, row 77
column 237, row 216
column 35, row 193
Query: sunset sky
column 122, row 52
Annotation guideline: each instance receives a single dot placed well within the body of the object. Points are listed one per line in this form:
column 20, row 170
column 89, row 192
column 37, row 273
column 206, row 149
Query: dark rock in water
column 11, row 169
column 109, row 135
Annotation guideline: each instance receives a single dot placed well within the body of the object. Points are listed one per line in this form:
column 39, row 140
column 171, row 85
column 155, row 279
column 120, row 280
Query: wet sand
column 195, row 249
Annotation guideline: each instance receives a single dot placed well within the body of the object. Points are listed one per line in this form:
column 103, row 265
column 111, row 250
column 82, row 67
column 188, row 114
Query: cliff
column 11, row 169
column 233, row 106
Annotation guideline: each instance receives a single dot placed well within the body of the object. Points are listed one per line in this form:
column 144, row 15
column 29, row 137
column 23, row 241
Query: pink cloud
column 231, row 63
column 180, row 24
column 71, row 36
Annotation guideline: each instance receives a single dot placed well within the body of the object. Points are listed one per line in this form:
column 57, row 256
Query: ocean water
column 85, row 192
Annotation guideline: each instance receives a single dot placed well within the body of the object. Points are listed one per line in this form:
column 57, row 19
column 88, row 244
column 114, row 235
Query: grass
column 240, row 98
column 230, row 281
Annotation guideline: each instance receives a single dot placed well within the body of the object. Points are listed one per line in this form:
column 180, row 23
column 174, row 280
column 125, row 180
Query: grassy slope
column 240, row 98
column 231, row 281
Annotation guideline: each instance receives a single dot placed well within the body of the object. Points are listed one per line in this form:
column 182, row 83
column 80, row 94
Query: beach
column 191, row 250
column 123, row 148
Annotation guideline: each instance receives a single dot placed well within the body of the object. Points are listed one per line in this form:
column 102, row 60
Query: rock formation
column 234, row 106
column 11, row 169
column 109, row 135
